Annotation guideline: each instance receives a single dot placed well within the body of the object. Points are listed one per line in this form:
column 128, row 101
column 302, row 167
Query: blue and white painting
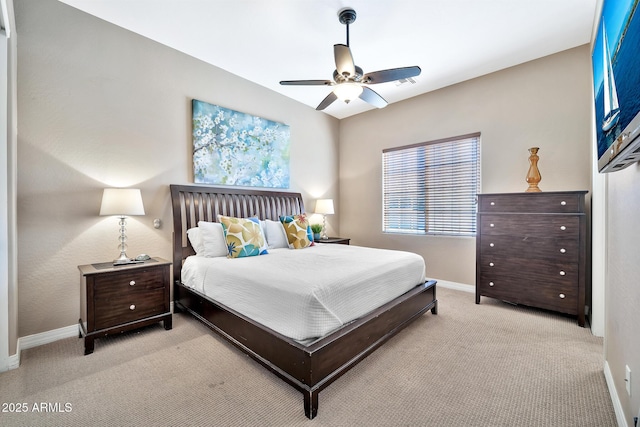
column 234, row 148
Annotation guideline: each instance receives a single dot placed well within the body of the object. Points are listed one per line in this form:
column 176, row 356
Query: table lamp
column 324, row 207
column 122, row 202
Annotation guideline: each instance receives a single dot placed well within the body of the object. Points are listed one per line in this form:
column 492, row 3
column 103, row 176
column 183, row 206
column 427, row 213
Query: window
column 431, row 187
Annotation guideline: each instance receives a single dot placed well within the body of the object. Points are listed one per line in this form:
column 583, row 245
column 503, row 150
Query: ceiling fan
column 349, row 82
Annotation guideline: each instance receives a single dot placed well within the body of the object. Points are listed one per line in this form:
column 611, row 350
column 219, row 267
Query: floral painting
column 234, row 148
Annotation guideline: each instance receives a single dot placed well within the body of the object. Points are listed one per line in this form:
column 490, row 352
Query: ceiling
column 268, row 41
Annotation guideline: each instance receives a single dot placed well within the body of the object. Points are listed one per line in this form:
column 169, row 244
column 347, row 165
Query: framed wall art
column 234, row 148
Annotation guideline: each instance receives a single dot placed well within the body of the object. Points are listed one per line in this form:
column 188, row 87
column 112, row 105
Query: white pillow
column 213, row 241
column 276, row 236
column 195, row 238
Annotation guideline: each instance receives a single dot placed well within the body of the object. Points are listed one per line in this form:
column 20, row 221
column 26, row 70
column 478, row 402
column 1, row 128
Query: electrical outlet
column 627, row 378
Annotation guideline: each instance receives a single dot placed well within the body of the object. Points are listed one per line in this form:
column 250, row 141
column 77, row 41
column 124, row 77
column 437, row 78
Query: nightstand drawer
column 126, row 281
column 128, row 307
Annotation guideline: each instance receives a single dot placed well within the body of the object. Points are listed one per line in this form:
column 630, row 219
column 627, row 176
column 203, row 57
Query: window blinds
column 431, row 188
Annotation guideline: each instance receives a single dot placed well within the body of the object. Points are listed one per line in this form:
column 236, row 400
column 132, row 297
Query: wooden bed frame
column 307, row 368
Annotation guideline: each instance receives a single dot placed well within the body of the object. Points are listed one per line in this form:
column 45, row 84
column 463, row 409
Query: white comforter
column 307, row 293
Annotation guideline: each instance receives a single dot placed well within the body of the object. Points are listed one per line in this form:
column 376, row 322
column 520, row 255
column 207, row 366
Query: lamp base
column 124, row 260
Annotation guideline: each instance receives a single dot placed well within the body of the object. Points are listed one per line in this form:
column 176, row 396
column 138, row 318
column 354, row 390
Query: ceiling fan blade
column 390, row 75
column 327, row 101
column 306, row 82
column 372, row 97
column 344, row 60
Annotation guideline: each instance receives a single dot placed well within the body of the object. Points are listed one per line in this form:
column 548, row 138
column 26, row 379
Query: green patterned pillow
column 244, row 236
column 298, row 231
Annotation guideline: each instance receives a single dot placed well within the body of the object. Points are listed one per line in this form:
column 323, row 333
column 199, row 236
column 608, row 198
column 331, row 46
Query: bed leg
column 310, row 403
column 434, row 309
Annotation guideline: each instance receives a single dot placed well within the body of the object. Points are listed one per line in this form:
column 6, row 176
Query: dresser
column 531, row 249
column 115, row 299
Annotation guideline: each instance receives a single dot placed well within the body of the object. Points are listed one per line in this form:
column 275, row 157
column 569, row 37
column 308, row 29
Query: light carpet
column 491, row 364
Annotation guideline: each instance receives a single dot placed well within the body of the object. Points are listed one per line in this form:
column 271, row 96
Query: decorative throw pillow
column 298, row 230
column 244, row 236
column 213, row 240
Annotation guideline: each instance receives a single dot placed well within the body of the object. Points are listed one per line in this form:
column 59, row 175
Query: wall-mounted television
column 616, row 85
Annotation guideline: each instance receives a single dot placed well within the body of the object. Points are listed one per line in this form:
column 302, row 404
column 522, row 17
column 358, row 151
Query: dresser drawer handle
column 491, row 225
column 491, row 264
column 562, row 227
column 563, row 251
column 491, row 283
column 132, row 283
column 493, row 203
column 132, row 307
column 563, row 203
column 562, row 273
column 491, row 244
column 561, row 296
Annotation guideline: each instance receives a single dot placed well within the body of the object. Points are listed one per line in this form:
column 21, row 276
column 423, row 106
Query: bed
column 309, row 365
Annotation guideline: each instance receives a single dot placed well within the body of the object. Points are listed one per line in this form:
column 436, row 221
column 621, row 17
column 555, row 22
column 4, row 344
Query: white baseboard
column 12, row 362
column 617, row 406
column 35, row 340
column 47, row 337
column 457, row 286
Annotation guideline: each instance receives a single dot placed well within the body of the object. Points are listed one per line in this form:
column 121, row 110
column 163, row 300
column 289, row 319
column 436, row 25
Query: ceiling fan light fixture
column 349, row 81
column 347, row 92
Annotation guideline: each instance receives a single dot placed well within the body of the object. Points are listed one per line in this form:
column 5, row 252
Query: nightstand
column 115, row 299
column 337, row 240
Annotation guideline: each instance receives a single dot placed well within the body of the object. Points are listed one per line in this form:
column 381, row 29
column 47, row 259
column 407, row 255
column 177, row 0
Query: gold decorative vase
column 533, row 176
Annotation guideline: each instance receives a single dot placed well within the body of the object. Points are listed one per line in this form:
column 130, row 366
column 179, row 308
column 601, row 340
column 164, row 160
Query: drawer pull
column 561, row 296
column 132, row 307
column 493, row 203
column 491, row 225
column 491, row 244
column 562, row 227
column 490, row 264
column 491, row 283
column 562, row 273
column 563, row 203
column 563, row 251
column 132, row 283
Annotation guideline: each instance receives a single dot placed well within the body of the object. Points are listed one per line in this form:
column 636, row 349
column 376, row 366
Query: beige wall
column 622, row 292
column 543, row 103
column 99, row 106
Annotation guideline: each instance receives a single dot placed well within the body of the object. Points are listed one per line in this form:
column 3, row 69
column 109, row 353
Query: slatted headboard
column 193, row 203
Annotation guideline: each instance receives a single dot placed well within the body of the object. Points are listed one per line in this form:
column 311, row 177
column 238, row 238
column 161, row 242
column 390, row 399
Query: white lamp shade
column 324, row 206
column 121, row 201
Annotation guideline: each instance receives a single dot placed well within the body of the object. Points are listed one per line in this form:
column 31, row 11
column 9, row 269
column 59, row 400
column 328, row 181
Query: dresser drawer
column 505, row 246
column 129, row 306
column 525, row 225
column 521, row 270
column 541, row 294
column 106, row 286
column 531, row 203
column 537, row 283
